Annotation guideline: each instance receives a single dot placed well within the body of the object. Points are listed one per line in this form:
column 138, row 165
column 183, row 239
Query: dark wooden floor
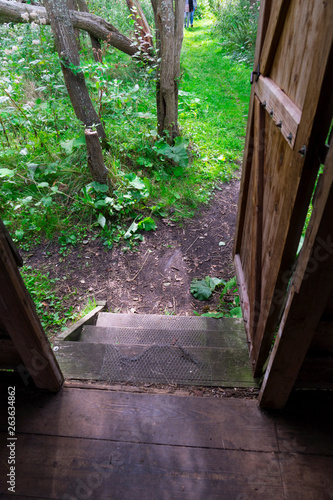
column 92, row 443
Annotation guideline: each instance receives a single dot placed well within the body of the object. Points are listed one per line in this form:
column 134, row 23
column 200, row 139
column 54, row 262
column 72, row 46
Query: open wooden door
column 289, row 119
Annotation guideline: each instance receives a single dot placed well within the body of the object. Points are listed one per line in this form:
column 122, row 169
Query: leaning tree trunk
column 70, row 60
column 62, row 28
column 169, row 22
column 142, row 29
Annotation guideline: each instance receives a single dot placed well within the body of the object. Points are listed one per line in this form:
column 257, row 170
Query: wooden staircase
column 148, row 349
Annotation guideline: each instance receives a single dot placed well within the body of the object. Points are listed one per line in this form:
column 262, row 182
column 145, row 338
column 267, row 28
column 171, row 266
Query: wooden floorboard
column 103, row 445
column 156, row 419
column 115, row 470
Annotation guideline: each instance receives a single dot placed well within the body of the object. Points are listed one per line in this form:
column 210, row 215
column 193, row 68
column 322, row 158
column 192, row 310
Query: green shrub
column 237, row 26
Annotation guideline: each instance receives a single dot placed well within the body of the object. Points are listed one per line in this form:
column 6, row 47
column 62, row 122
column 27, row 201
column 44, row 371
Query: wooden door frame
column 27, row 340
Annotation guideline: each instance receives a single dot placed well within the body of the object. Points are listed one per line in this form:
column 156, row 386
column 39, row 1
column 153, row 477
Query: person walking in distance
column 195, row 5
column 187, row 13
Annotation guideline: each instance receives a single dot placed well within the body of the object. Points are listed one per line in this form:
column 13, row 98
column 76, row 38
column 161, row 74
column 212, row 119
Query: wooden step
column 160, row 322
column 229, row 367
column 143, row 336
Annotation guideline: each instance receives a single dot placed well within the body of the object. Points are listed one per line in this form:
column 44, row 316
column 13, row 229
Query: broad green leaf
column 236, row 312
column 101, row 220
column 131, row 230
column 200, row 289
column 137, row 184
column 100, row 188
column 147, row 224
column 46, row 201
column 43, row 185
column 6, row 172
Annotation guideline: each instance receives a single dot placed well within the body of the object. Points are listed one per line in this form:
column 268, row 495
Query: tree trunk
column 96, row 165
column 169, row 22
column 72, row 5
column 142, row 29
column 15, row 12
column 62, row 28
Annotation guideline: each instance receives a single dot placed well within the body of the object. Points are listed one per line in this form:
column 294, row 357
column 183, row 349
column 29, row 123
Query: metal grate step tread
column 144, row 336
column 156, row 322
column 155, row 364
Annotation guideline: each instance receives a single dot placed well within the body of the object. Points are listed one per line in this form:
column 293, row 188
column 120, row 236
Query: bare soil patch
column 155, row 278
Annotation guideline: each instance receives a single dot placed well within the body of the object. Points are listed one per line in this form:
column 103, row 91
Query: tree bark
column 62, row 28
column 96, row 165
column 12, row 12
column 169, row 22
column 142, row 33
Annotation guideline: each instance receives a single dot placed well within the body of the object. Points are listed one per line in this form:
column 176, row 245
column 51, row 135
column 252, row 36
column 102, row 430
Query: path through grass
column 216, row 122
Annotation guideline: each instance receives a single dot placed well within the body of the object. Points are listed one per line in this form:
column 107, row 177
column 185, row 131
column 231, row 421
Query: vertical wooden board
column 297, row 48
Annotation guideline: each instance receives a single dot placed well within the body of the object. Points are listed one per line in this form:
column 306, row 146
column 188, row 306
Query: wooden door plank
column 257, row 200
column 18, row 315
column 265, row 12
column 304, row 309
column 315, row 122
column 60, row 468
column 275, row 27
column 280, row 107
column 157, row 419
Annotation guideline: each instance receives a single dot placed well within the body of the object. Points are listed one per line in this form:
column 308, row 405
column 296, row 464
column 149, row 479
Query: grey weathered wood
column 127, row 335
column 230, row 367
column 73, row 332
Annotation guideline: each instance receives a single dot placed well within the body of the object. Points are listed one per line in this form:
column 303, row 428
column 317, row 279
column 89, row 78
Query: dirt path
column 155, row 278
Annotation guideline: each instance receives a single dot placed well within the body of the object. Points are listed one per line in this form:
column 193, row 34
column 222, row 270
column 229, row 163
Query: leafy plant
column 203, row 289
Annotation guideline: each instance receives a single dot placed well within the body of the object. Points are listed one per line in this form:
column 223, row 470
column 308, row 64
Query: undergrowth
column 45, row 185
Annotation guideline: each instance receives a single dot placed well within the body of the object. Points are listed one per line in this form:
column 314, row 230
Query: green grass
column 213, row 107
column 218, row 123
